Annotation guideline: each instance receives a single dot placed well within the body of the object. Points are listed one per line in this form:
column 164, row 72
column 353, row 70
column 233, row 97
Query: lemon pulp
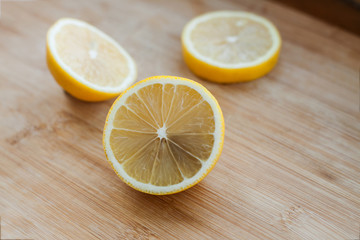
column 163, row 133
column 231, row 40
column 91, row 56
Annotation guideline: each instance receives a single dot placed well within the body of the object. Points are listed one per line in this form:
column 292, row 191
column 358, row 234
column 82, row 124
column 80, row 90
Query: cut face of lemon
column 164, row 134
column 229, row 46
column 86, row 62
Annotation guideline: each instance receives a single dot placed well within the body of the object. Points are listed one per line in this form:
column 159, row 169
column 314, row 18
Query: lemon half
column 164, row 134
column 230, row 46
column 86, row 62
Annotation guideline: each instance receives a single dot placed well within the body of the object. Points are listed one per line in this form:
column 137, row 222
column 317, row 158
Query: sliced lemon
column 86, row 62
column 229, row 46
column 164, row 134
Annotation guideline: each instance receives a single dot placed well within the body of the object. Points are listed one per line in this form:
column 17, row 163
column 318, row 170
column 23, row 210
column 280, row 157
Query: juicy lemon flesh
column 231, row 40
column 163, row 134
column 91, row 56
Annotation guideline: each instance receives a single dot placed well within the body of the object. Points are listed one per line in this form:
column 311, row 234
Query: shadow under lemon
column 156, row 210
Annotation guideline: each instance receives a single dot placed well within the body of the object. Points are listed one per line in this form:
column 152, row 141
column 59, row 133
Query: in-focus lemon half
column 164, row 134
column 86, row 62
column 230, row 46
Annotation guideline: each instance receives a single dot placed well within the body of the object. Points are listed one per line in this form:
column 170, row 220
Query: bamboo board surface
column 290, row 167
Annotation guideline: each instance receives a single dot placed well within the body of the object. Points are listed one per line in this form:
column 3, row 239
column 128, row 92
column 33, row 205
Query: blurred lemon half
column 230, row 46
column 86, row 62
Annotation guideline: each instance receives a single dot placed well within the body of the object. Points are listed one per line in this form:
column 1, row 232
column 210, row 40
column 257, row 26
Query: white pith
column 92, row 54
column 206, row 165
column 162, row 132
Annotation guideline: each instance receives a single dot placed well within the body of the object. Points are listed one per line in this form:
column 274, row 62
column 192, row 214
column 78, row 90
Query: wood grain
column 290, row 167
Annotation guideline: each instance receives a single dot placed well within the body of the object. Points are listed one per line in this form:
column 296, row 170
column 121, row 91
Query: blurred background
column 342, row 13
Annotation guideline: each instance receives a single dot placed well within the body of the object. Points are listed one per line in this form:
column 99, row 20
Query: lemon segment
column 228, row 46
column 164, row 134
column 86, row 62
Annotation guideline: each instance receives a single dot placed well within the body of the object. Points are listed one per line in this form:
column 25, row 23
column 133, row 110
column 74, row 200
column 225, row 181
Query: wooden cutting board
column 290, row 167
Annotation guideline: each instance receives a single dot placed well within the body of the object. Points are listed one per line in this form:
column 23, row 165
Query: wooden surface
column 290, row 167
